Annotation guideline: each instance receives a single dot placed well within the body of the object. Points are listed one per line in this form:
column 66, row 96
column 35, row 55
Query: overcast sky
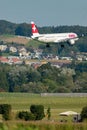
column 45, row 12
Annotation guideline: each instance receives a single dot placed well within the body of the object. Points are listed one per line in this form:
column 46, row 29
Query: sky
column 45, row 12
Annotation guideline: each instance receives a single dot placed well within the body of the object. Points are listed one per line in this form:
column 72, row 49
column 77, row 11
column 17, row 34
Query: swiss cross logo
column 34, row 28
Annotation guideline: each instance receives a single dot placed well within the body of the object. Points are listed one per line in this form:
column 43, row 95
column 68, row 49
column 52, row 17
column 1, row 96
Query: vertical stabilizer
column 34, row 29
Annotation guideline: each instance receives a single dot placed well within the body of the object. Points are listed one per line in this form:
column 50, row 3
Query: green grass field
column 23, row 101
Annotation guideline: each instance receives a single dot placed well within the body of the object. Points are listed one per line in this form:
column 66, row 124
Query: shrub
column 26, row 116
column 48, row 113
column 84, row 113
column 5, row 109
column 38, row 111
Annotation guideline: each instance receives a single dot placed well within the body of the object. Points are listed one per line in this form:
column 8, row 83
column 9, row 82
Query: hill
column 14, row 39
column 24, row 29
column 14, row 29
column 7, row 27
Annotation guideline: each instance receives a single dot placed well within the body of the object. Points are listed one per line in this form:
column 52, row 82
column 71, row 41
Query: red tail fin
column 34, row 29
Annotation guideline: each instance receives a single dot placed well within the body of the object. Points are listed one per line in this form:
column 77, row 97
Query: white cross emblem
column 34, row 28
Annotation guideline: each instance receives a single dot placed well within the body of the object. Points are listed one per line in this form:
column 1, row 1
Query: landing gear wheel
column 62, row 46
column 47, row 45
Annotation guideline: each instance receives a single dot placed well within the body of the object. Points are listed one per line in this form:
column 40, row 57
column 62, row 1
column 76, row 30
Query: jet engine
column 71, row 41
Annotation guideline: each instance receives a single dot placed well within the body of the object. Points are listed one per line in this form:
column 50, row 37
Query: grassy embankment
column 19, row 40
column 22, row 101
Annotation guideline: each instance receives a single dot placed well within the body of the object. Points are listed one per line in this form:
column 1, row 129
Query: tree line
column 46, row 78
column 24, row 29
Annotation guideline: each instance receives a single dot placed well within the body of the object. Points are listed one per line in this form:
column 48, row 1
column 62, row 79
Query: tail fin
column 35, row 32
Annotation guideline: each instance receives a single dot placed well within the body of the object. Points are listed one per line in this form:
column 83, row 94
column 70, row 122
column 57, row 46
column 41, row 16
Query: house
column 13, row 49
column 3, row 47
column 38, row 53
column 15, row 60
column 10, row 60
column 4, row 59
column 23, row 52
column 79, row 58
column 65, row 58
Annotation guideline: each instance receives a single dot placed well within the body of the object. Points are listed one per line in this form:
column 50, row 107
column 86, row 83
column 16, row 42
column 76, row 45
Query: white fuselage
column 57, row 37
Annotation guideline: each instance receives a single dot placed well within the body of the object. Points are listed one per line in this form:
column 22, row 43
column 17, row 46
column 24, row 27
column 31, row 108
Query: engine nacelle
column 71, row 41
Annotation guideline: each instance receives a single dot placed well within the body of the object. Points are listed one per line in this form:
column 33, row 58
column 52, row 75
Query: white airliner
column 55, row 37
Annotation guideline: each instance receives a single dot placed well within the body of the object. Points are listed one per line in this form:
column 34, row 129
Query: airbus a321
column 70, row 38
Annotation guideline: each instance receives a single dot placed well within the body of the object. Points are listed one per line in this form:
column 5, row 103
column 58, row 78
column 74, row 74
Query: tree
column 26, row 115
column 4, row 86
column 84, row 113
column 20, row 75
column 23, row 30
column 33, row 75
column 81, row 67
column 0, row 53
column 48, row 113
column 17, row 76
column 38, row 111
column 5, row 109
column 80, row 82
column 51, row 85
column 35, row 87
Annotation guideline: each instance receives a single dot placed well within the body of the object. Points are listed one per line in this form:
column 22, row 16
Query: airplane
column 70, row 38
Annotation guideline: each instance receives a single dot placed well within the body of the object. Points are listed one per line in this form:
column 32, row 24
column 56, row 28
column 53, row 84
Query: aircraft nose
column 76, row 35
